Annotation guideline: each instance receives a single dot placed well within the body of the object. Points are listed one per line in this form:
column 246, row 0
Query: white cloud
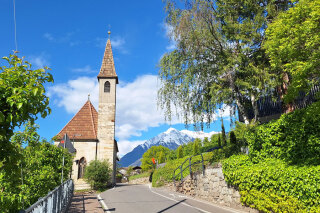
column 169, row 34
column 85, row 69
column 126, row 146
column 49, row 36
column 39, row 61
column 66, row 38
column 73, row 94
column 136, row 104
column 117, row 43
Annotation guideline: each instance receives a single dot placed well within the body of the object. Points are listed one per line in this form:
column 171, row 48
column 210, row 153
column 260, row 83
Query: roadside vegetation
column 98, row 174
column 137, row 176
column 232, row 53
column 30, row 167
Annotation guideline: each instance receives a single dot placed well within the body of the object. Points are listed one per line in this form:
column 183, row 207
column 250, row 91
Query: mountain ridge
column 172, row 138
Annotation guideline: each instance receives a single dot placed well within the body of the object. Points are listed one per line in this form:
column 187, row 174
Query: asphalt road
column 125, row 198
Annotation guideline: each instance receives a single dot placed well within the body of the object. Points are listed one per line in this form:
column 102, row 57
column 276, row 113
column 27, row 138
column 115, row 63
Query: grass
column 142, row 175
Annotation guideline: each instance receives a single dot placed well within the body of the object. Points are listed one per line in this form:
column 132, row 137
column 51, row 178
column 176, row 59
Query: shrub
column 98, row 174
column 273, row 184
column 153, row 152
column 165, row 174
column 295, row 137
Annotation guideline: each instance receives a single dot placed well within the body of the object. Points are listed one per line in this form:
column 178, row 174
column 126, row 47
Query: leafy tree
column 293, row 45
column 223, row 134
column 205, row 142
column 187, row 149
column 129, row 170
column 153, row 152
column 233, row 142
column 29, row 178
column 98, row 174
column 196, row 147
column 162, row 157
column 218, row 57
column 172, row 155
column 22, row 99
column 179, row 152
column 219, row 141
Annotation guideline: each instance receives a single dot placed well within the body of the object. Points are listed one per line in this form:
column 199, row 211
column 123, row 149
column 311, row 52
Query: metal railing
column 57, row 201
column 189, row 165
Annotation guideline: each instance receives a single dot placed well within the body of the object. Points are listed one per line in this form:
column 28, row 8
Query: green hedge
column 273, row 185
column 165, row 174
column 295, row 137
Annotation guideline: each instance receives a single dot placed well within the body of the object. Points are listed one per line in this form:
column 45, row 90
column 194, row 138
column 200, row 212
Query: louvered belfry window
column 107, row 86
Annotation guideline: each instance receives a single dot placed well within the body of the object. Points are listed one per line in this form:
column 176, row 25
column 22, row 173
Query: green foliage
column 235, row 146
column 223, row 135
column 129, row 170
column 241, row 131
column 153, row 152
column 219, row 141
column 98, row 174
column 22, row 99
column 211, row 63
column 162, row 157
column 165, row 174
column 39, row 167
column 205, row 142
column 295, row 137
column 142, row 175
column 22, row 96
column 179, row 152
column 273, row 185
column 196, row 147
column 293, row 44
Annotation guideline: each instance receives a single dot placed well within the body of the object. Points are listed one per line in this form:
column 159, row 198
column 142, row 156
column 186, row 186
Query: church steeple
column 107, row 68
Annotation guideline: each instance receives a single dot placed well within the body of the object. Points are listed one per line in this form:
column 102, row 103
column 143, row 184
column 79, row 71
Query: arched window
column 82, row 165
column 107, row 86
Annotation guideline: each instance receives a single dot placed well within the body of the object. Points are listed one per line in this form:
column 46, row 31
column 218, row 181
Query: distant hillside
column 171, row 139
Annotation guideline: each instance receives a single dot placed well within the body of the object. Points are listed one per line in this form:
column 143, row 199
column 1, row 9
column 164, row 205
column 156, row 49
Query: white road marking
column 177, row 201
column 103, row 204
column 190, row 198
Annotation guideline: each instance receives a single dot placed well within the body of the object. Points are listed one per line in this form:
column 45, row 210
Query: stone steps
column 81, row 184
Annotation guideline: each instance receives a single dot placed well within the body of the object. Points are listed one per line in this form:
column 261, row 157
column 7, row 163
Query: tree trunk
column 255, row 107
column 242, row 111
column 283, row 90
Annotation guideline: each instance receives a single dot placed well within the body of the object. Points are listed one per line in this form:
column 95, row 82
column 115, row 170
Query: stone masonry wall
column 212, row 187
column 144, row 180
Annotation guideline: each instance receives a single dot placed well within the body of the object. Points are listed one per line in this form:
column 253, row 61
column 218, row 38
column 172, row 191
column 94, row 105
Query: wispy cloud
column 39, row 61
column 137, row 109
column 85, row 69
column 66, row 38
column 168, row 29
column 117, row 42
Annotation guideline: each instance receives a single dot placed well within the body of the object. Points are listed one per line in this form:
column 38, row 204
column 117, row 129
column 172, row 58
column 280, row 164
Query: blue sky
column 70, row 36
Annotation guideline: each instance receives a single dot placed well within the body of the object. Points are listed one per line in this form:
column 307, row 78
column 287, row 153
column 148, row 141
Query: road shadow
column 169, row 207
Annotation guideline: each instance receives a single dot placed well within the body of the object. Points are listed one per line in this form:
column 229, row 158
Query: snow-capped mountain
column 171, row 139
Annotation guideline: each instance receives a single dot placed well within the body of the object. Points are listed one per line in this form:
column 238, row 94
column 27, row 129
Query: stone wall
column 212, row 187
column 144, row 180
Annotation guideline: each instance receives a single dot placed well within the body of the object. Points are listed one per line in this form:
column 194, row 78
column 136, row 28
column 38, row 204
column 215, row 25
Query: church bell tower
column 108, row 81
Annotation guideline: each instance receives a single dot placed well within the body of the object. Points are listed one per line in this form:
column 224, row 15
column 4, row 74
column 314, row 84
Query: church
column 92, row 132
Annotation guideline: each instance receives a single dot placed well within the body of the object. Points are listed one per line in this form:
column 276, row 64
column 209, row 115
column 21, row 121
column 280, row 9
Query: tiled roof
column 107, row 68
column 83, row 125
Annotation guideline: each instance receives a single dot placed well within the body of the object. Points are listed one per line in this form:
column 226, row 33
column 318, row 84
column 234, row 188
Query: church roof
column 83, row 125
column 107, row 68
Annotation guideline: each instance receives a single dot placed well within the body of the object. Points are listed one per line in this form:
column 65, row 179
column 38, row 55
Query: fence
column 189, row 165
column 57, row 201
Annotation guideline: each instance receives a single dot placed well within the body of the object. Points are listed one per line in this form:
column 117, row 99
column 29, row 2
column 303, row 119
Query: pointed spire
column 107, row 68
